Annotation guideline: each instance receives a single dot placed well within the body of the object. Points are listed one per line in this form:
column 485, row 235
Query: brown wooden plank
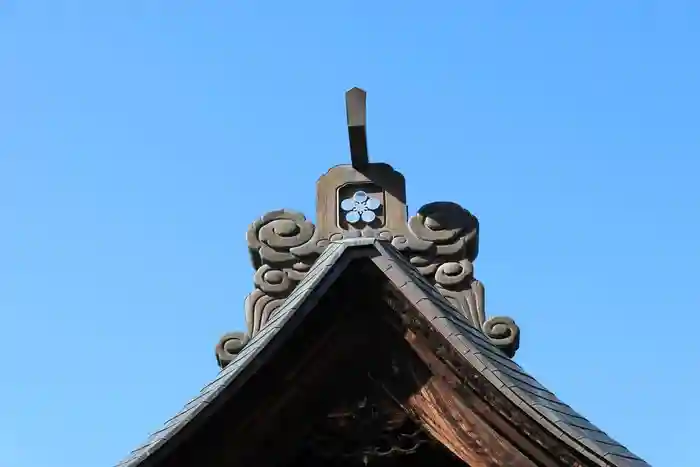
column 426, row 395
column 475, row 405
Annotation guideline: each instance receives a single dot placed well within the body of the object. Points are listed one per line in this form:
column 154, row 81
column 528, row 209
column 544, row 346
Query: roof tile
column 507, row 376
column 320, row 268
column 515, row 383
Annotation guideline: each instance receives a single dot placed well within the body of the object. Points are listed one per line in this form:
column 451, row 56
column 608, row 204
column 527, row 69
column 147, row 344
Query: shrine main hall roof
column 428, row 258
column 506, row 375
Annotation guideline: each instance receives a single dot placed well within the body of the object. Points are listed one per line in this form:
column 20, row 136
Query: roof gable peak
column 366, row 200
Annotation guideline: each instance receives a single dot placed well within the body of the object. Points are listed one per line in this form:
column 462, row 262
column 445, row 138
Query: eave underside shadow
column 365, row 418
column 369, row 422
column 348, row 387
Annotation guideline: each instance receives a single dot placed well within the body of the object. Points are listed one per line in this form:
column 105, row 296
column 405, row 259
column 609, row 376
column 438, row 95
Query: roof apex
column 440, row 241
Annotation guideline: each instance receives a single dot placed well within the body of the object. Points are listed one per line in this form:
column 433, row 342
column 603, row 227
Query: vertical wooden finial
column 356, row 109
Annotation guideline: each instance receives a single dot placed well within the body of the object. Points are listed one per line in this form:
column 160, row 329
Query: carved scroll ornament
column 282, row 248
column 441, row 241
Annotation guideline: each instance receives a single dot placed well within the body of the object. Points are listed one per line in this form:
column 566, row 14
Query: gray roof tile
column 310, row 282
column 506, row 375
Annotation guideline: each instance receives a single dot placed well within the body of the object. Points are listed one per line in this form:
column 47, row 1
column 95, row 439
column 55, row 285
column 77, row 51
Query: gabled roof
column 507, row 377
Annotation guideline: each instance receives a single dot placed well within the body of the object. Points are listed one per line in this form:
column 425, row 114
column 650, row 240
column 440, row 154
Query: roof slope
column 507, row 376
column 312, row 282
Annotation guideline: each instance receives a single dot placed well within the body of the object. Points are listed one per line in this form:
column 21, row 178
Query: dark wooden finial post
column 356, row 108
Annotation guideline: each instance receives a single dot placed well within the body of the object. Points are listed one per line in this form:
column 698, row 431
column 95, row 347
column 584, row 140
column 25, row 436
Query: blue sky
column 139, row 139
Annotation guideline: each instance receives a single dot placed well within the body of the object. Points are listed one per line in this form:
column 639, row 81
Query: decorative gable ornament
column 366, row 200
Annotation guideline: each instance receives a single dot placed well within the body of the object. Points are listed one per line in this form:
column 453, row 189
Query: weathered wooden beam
column 469, row 437
column 426, row 394
column 475, row 405
column 356, row 109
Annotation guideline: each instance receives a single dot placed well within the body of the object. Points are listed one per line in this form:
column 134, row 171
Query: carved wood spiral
column 441, row 241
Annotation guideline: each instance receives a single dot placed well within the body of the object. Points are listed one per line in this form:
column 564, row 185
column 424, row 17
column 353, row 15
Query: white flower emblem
column 361, row 207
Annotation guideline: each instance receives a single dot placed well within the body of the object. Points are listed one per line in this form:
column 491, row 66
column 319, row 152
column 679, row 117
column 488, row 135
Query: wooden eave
column 513, row 401
column 490, row 394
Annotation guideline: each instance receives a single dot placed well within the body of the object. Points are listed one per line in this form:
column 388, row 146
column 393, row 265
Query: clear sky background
column 139, row 139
